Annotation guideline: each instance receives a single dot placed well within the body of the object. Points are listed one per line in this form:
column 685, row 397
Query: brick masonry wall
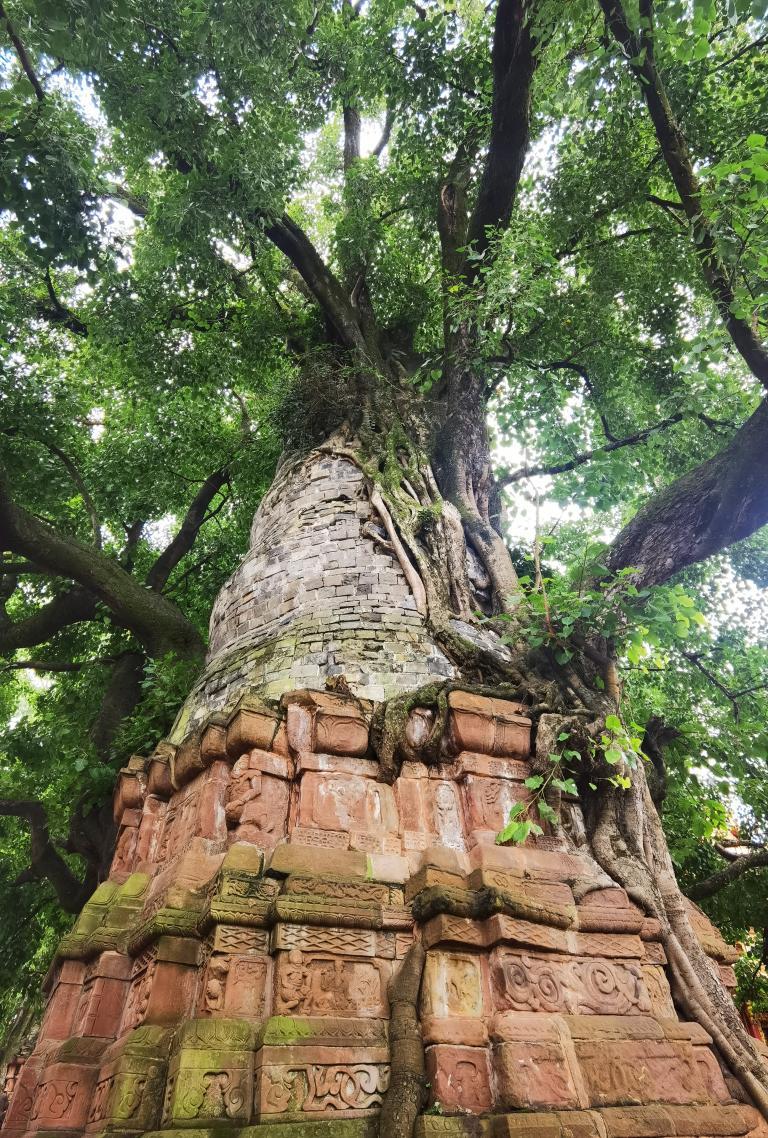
column 315, row 596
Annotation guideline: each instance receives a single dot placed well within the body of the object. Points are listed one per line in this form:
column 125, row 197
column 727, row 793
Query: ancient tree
column 393, row 240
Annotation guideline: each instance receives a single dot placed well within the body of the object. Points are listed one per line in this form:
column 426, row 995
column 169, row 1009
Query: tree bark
column 719, row 502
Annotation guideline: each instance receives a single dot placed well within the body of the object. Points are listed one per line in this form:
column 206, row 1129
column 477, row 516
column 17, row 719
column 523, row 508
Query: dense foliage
column 159, row 349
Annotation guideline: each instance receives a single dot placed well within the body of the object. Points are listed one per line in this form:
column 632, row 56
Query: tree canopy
column 207, row 204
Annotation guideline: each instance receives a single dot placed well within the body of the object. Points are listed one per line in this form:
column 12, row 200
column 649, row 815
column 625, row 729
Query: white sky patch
column 158, row 534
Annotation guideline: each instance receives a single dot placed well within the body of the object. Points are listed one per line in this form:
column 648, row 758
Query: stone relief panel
column 345, row 802
column 446, row 814
column 637, row 1071
column 257, row 804
column 339, row 1089
column 180, row 822
column 142, row 978
column 573, row 986
column 323, row 985
column 235, row 986
column 459, row 1077
column 452, row 985
column 489, row 801
column 534, row 1074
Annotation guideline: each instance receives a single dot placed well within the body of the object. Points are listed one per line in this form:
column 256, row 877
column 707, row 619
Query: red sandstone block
column 63, row 1097
column 158, row 776
column 129, row 791
column 188, row 762
column 253, row 724
column 469, row 762
column 545, row 1125
column 714, row 1121
column 609, row 1028
column 516, row 1027
column 325, row 722
column 636, row 1122
column 460, row 1077
column 455, row 1030
column 488, row 726
column 532, row 863
column 534, row 1074
column 711, row 1074
column 452, row 930
column 619, row 945
column 509, row 930
column 452, row 985
column 213, row 742
column 625, row 1073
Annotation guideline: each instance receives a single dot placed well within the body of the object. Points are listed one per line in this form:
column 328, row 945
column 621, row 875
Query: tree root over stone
column 628, row 843
column 405, row 1098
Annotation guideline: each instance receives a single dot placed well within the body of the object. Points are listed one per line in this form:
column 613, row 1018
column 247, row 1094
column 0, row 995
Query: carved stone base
column 233, row 971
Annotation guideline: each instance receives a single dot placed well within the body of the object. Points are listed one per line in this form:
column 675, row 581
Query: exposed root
column 409, row 570
column 628, row 843
column 397, row 737
column 406, row 1095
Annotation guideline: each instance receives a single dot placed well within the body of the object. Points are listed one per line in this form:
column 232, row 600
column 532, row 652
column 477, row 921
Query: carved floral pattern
column 576, row 987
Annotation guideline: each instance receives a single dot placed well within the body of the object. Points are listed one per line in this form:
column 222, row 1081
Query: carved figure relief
column 574, row 986
column 346, row 802
column 257, row 803
column 140, row 991
column 452, row 985
column 534, row 1074
column 179, row 824
column 216, row 978
column 489, row 801
column 447, row 819
column 329, row 985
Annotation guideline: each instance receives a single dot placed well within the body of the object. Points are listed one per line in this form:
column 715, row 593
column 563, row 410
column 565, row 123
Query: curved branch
column 154, row 619
column 45, row 859
column 194, row 518
column 67, row 608
column 57, row 313
column 726, row 876
column 723, row 500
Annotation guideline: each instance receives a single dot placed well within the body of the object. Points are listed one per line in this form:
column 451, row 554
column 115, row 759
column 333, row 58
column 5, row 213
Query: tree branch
column 23, row 57
column 726, row 876
column 53, row 665
column 587, row 455
column 513, row 62
column 79, row 482
column 674, row 148
column 194, row 518
column 45, row 859
column 66, row 608
column 57, row 313
column 718, row 502
column 154, row 619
